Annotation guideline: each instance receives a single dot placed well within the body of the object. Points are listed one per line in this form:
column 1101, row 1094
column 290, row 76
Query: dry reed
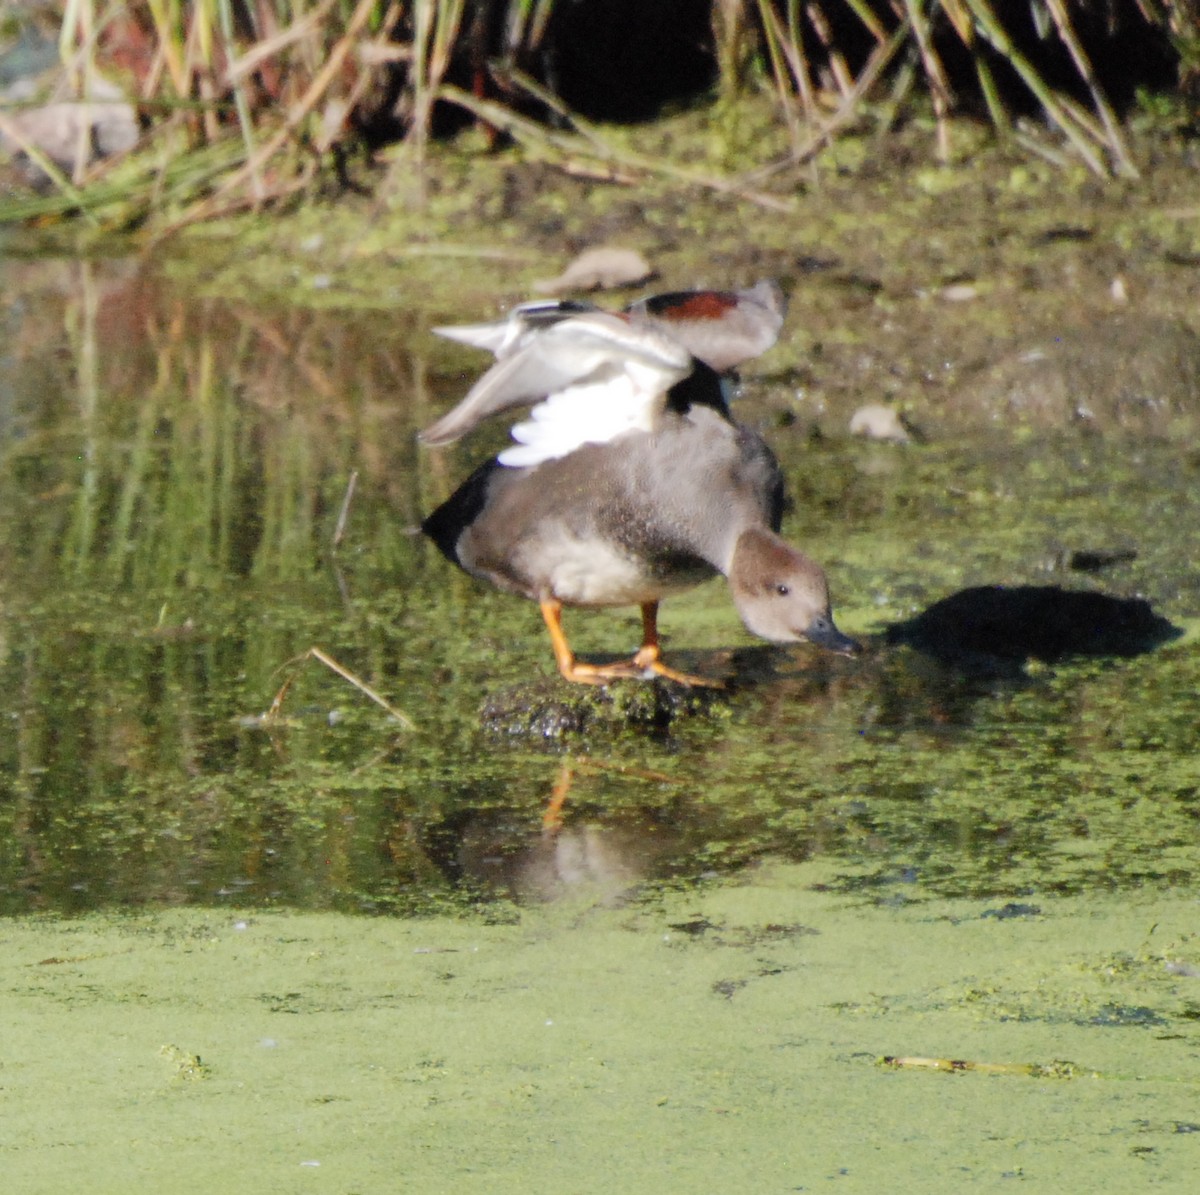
column 245, row 104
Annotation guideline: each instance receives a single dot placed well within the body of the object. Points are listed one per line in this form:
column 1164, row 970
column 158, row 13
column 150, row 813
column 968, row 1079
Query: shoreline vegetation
column 158, row 114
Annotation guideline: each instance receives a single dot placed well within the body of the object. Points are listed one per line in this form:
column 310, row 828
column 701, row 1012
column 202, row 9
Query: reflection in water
column 174, row 478
column 173, row 472
column 174, row 441
column 601, row 861
column 506, row 853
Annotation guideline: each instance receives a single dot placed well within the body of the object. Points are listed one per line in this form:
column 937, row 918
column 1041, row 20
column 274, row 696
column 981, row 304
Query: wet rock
column 69, row 130
column 552, row 709
column 600, row 268
column 875, row 421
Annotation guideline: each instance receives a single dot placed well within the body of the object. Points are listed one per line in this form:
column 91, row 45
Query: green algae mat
column 733, row 1037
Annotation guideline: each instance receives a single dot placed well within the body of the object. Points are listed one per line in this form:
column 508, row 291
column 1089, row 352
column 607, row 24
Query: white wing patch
column 625, row 398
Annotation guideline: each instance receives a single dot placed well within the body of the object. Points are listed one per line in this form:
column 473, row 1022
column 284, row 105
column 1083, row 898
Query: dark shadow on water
column 994, row 630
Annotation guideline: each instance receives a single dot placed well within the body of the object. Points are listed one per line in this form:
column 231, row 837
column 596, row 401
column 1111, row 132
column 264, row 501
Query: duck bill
column 826, row 635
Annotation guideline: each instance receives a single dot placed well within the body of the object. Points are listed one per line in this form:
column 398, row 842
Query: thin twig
column 323, row 657
column 587, row 142
column 786, row 58
column 1116, row 144
column 1058, row 1069
column 992, row 28
column 935, row 75
column 299, row 29
column 344, row 514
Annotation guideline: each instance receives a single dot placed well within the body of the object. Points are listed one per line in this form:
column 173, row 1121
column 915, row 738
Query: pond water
column 175, row 477
column 197, row 494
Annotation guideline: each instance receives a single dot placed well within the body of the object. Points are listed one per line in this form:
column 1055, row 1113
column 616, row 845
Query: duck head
column 782, row 595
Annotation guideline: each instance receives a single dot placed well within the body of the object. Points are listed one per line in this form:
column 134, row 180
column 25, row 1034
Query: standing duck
column 629, row 481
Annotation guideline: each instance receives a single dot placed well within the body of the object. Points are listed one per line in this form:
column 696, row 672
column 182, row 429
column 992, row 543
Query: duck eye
column 782, row 589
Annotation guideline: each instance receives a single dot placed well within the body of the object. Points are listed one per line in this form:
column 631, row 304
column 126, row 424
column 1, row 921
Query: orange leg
column 568, row 665
column 645, row 661
column 552, row 818
column 649, row 655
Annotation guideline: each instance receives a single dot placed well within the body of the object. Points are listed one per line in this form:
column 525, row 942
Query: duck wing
column 722, row 328
column 505, row 336
column 575, row 359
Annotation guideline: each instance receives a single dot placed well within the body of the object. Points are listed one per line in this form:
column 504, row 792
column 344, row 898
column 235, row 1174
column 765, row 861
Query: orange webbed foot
column 645, row 665
column 647, row 661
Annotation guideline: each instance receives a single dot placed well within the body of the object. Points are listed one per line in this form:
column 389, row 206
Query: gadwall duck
column 628, row 482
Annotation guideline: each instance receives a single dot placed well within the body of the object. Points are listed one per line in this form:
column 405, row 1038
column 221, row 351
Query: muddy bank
column 995, row 290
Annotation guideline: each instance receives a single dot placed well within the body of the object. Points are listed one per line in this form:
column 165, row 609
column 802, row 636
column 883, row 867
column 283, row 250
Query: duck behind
column 629, row 482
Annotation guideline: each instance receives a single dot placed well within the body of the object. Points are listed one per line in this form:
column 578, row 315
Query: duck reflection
column 603, row 861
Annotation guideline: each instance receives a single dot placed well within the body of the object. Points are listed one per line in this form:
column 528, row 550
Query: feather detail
column 580, row 356
column 595, row 412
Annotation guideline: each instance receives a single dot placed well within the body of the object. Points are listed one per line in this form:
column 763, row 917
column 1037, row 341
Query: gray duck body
column 629, row 521
column 628, row 482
